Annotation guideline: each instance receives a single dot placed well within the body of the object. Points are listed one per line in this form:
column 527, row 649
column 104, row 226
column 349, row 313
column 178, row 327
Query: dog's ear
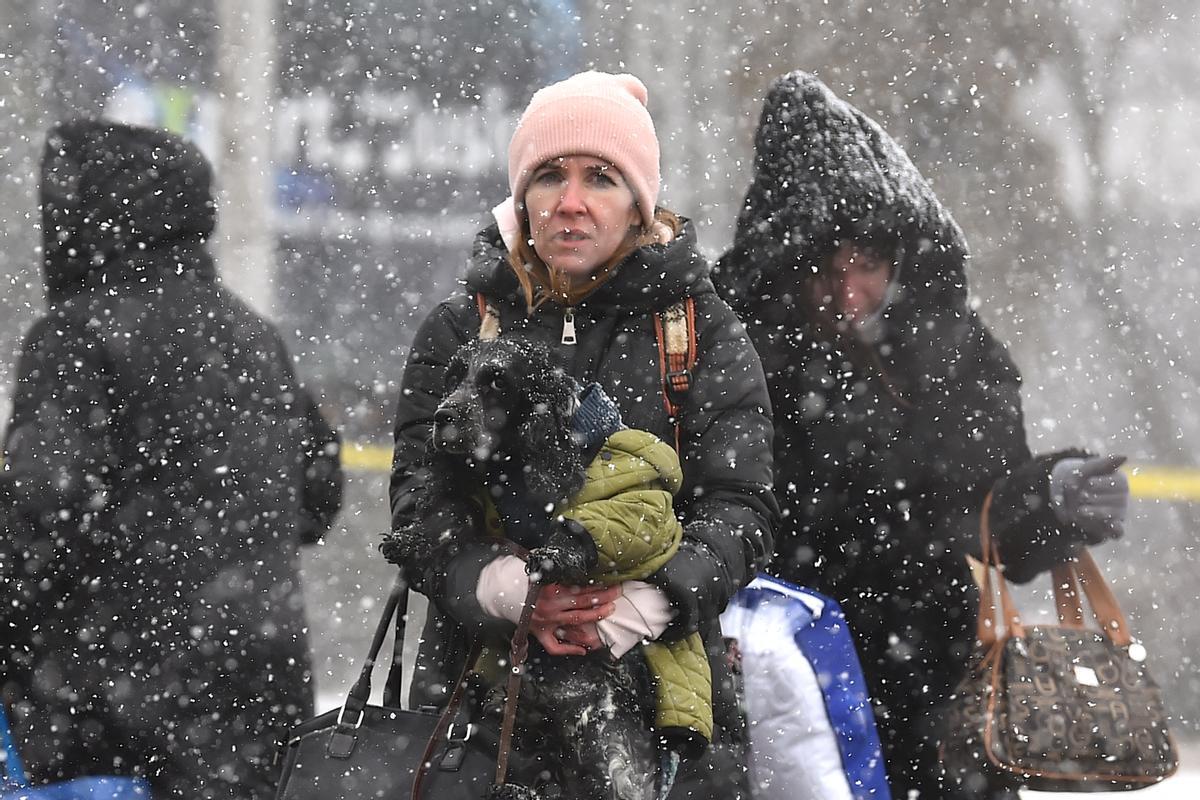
column 554, row 460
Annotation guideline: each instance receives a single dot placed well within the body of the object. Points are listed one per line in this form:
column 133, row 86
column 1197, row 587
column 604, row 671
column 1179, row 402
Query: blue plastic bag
column 812, row 730
column 93, row 788
column 15, row 784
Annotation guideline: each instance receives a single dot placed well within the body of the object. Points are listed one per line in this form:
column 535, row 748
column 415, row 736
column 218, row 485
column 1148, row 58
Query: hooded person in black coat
column 162, row 466
column 896, row 412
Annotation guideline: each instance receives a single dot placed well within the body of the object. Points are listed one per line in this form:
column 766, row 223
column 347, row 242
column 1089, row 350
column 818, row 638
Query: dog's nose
column 446, row 428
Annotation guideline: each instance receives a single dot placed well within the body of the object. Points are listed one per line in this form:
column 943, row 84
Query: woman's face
column 580, row 212
column 856, row 282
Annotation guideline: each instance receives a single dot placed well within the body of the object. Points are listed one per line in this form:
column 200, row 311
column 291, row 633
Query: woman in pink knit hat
column 582, row 261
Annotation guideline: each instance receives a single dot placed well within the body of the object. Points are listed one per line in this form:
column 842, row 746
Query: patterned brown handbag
column 1057, row 707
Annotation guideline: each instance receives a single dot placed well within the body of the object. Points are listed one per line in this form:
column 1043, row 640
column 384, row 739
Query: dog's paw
column 449, row 522
column 552, row 564
column 398, row 545
column 568, row 556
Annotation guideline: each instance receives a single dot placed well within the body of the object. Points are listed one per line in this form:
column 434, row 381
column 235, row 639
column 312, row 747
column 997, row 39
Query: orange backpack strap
column 675, row 329
column 489, row 318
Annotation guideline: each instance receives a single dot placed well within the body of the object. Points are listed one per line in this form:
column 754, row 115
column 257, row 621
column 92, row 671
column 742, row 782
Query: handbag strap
column 443, row 724
column 1068, row 578
column 1067, row 601
column 518, row 652
column 360, row 692
column 1100, row 597
column 985, row 630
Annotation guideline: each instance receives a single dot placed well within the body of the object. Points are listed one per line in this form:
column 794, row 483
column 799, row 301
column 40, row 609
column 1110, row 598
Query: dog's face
column 505, row 400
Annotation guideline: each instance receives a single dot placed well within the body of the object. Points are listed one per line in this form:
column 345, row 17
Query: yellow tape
column 1146, row 482
column 1164, row 483
column 365, row 457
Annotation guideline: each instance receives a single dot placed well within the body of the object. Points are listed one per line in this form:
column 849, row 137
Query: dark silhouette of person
column 162, row 466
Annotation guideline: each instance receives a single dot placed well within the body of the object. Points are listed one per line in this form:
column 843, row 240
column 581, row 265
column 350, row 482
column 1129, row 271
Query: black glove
column 1092, row 494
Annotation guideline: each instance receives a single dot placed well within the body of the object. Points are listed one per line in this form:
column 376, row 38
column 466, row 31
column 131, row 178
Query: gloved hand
column 1091, row 493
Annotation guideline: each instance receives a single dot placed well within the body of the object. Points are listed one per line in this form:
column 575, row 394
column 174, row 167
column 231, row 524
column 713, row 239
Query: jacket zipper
column 568, row 336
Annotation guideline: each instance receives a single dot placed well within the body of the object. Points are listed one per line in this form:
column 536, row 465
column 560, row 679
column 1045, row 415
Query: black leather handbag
column 1065, row 708
column 360, row 751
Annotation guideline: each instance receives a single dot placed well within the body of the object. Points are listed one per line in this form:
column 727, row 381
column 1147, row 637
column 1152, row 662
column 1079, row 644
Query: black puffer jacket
column 162, row 466
column 882, row 485
column 726, row 503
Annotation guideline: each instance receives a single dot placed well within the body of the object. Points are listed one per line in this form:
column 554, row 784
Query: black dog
column 504, row 431
column 504, row 426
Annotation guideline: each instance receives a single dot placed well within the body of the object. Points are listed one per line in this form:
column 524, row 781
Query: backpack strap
column 675, row 329
column 489, row 318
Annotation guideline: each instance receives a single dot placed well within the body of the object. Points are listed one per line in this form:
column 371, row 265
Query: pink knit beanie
column 594, row 114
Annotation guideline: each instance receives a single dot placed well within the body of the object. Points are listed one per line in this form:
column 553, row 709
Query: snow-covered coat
column 162, row 466
column 726, row 504
column 882, row 482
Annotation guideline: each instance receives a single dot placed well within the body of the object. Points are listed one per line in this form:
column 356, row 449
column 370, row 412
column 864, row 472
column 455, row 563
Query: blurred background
column 359, row 145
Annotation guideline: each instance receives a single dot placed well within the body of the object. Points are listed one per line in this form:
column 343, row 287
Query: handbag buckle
column 341, row 719
column 466, row 735
column 456, row 748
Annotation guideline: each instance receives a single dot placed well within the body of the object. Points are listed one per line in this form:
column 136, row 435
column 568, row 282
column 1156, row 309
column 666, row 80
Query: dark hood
column 928, row 410
column 116, row 199
column 652, row 278
column 824, row 171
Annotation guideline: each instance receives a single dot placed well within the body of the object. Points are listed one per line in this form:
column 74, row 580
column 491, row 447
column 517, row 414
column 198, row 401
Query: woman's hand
column 564, row 619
